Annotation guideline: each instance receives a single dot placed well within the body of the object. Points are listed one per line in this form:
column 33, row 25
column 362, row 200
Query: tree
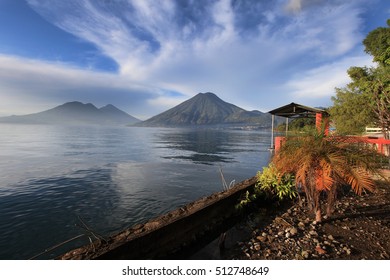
column 377, row 44
column 322, row 164
column 352, row 108
column 374, row 83
column 299, row 124
column 366, row 99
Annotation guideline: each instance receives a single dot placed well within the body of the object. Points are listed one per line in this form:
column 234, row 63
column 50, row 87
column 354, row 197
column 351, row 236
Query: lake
column 52, row 177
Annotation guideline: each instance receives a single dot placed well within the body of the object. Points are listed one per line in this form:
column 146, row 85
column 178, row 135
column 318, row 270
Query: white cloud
column 165, row 103
column 161, row 46
column 294, row 6
column 37, row 85
column 320, row 82
column 297, row 6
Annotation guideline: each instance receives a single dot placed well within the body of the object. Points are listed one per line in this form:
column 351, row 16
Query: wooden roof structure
column 294, row 110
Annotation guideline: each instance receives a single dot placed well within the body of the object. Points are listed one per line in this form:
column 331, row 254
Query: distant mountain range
column 76, row 113
column 208, row 109
column 200, row 110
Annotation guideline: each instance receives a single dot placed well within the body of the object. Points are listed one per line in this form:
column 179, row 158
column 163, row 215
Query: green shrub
column 273, row 184
column 270, row 184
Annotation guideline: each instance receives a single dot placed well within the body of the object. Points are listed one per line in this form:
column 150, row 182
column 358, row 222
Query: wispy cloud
column 41, row 85
column 297, row 6
column 245, row 51
column 319, row 83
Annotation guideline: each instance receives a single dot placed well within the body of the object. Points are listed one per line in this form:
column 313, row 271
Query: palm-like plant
column 322, row 164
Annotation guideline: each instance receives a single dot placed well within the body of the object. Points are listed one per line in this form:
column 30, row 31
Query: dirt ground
column 358, row 229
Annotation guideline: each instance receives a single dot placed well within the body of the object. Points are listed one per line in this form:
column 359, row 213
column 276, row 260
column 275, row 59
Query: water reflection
column 206, row 146
column 111, row 177
column 41, row 213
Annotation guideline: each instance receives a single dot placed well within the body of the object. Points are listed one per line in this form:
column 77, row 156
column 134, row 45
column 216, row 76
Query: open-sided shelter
column 294, row 110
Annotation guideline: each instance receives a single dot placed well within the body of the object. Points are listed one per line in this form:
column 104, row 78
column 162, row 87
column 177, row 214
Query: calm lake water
column 111, row 177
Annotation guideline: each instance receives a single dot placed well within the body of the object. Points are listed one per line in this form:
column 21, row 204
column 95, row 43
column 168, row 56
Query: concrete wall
column 173, row 234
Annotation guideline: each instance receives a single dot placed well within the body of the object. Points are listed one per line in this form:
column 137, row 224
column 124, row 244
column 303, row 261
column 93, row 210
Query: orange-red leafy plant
column 322, row 164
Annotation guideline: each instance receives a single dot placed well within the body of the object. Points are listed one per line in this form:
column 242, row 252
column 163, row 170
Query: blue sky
column 145, row 56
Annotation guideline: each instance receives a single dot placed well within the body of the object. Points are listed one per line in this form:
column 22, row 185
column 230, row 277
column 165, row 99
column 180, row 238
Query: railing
column 382, row 145
column 373, row 130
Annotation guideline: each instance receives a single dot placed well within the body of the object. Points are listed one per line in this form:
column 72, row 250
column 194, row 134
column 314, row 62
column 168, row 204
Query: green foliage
column 351, row 111
column 247, row 199
column 377, row 44
column 271, row 184
column 299, row 125
column 366, row 99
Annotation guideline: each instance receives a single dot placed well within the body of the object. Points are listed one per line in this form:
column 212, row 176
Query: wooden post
column 272, row 132
column 286, row 126
column 318, row 121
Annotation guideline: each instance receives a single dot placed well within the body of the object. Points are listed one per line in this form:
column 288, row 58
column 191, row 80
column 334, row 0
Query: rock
column 301, row 225
column 330, row 237
column 280, row 233
column 313, row 233
column 305, row 254
column 320, row 251
column 288, row 235
column 293, row 231
column 264, row 234
column 262, row 238
column 347, row 250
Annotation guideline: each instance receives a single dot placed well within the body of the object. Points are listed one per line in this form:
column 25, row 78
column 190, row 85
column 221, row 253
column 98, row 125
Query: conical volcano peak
column 208, row 94
column 203, row 109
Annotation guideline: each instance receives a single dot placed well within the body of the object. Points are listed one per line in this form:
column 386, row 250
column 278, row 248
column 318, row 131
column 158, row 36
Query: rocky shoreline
column 358, row 229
